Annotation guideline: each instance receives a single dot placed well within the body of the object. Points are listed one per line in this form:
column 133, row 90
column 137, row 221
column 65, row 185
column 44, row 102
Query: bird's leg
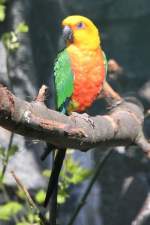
column 85, row 117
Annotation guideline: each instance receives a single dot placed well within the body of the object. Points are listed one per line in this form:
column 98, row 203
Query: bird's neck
column 87, row 44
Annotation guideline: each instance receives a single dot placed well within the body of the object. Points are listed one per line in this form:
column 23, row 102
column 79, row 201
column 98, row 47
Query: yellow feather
column 86, row 38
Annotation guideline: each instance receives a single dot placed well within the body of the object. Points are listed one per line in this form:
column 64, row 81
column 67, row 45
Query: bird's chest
column 88, row 69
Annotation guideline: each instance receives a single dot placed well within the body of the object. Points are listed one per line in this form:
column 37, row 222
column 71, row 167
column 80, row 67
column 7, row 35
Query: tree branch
column 122, row 126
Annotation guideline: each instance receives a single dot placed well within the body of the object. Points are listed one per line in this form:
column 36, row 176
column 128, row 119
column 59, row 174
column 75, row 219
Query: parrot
column 79, row 75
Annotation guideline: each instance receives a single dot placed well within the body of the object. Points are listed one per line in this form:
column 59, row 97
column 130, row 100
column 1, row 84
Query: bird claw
column 85, row 117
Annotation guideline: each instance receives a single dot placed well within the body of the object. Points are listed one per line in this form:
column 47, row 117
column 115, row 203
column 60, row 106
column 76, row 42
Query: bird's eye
column 80, row 25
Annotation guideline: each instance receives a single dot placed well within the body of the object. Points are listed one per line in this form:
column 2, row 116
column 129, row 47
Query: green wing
column 63, row 78
column 105, row 63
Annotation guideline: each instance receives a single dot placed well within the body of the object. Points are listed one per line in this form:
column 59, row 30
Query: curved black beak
column 67, row 34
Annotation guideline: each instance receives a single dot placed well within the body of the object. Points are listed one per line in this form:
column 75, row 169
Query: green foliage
column 62, row 193
column 2, row 152
column 13, row 150
column 2, row 2
column 22, row 28
column 32, row 218
column 5, row 155
column 2, row 10
column 9, row 209
column 40, row 196
column 72, row 174
column 11, row 39
column 46, row 173
column 75, row 173
column 20, row 194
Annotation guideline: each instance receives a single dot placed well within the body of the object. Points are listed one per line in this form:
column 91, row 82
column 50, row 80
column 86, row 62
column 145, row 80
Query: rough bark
column 121, row 126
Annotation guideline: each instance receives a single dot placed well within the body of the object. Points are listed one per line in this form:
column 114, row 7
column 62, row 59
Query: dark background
column 121, row 195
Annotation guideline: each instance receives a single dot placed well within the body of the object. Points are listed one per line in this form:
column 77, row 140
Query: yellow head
column 81, row 31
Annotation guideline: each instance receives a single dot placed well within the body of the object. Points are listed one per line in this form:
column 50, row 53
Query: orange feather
column 89, row 73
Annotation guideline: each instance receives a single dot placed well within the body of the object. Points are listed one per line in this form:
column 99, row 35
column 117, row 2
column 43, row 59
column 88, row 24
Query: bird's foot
column 85, row 117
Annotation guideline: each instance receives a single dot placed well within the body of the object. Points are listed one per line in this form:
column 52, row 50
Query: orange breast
column 89, row 74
